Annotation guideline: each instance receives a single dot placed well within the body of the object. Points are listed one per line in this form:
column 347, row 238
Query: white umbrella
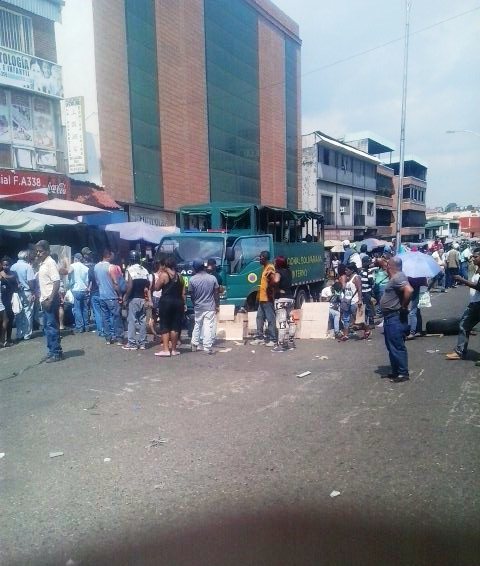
column 61, row 206
column 134, row 231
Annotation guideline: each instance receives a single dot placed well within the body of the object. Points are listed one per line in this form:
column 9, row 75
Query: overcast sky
column 365, row 92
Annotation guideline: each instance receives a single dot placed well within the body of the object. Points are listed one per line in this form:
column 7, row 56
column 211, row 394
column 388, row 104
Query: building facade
column 188, row 101
column 413, row 198
column 340, row 181
column 32, row 149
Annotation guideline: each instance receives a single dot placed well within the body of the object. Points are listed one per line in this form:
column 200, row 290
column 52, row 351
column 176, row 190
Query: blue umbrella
column 417, row 264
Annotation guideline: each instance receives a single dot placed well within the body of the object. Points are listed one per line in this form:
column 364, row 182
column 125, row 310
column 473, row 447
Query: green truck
column 235, row 234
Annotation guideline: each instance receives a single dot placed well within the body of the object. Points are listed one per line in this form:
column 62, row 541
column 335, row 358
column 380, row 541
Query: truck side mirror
column 229, row 254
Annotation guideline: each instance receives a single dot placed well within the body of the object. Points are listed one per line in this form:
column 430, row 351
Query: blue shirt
column 24, row 273
column 79, row 276
column 104, row 281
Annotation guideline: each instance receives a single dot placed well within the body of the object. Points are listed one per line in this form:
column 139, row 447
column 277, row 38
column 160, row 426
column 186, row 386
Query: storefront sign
column 26, row 186
column 153, row 217
column 75, row 128
column 30, row 73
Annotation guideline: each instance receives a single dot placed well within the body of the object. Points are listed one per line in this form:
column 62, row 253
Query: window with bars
column 16, row 32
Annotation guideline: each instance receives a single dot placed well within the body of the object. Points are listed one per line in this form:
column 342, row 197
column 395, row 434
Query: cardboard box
column 252, row 321
column 229, row 330
column 227, row 312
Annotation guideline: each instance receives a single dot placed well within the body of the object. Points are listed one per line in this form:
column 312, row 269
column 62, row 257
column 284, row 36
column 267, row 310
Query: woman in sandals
column 171, row 307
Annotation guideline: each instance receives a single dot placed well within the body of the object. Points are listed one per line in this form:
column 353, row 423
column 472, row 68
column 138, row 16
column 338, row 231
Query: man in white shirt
column 49, row 283
column 471, row 316
column 439, row 279
column 80, row 287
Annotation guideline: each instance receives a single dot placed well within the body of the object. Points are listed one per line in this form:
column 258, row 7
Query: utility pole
column 398, row 236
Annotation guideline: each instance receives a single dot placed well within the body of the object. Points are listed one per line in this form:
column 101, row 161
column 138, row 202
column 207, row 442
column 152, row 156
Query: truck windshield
column 186, row 249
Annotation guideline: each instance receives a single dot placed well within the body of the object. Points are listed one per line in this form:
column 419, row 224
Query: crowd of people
column 368, row 290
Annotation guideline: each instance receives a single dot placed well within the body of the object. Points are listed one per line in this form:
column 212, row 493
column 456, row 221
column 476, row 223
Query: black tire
column 251, row 303
column 301, row 297
column 447, row 326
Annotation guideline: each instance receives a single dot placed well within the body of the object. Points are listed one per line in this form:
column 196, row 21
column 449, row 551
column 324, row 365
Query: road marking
column 466, row 408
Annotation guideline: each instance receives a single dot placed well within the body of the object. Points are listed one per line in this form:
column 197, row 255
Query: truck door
column 245, row 270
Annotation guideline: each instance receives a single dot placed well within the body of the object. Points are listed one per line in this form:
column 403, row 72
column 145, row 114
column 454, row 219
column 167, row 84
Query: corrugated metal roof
column 49, row 9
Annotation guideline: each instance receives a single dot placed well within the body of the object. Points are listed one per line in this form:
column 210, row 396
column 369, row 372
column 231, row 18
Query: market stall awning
column 135, row 231
column 60, row 206
column 21, row 221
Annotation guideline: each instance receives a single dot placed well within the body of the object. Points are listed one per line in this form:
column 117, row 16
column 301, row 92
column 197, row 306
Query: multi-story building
column 382, row 149
column 32, row 159
column 339, row 181
column 413, row 198
column 187, row 102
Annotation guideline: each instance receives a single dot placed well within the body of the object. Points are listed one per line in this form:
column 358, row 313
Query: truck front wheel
column 300, row 298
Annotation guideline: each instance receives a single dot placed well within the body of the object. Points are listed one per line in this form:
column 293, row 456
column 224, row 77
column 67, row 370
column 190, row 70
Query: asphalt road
column 232, row 459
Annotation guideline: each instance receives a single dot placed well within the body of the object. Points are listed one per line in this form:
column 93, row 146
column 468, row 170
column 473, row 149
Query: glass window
column 247, row 250
column 370, row 208
column 144, row 108
column 5, row 156
column 291, row 117
column 345, row 205
column 186, row 249
column 16, row 31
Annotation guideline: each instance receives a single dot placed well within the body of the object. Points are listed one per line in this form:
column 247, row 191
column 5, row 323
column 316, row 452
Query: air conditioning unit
column 342, row 210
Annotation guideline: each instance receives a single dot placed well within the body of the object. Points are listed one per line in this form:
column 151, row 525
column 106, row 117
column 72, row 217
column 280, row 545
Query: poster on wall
column 43, row 124
column 5, row 133
column 30, row 73
column 21, row 119
column 75, row 133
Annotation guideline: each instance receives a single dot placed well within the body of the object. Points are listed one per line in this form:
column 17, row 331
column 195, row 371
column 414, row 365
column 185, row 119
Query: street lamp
column 462, row 132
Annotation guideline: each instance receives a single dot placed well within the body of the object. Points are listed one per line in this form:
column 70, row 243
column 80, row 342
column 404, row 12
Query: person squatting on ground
column 352, row 298
column 80, row 287
column 110, row 299
column 205, row 295
column 283, row 304
column 136, row 297
column 171, row 307
column 394, row 305
column 471, row 315
column 266, row 310
column 26, row 291
column 49, row 283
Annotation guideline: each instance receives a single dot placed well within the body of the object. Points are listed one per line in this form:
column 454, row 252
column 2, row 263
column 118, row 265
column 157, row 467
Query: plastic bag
column 17, row 306
column 424, row 300
column 68, row 298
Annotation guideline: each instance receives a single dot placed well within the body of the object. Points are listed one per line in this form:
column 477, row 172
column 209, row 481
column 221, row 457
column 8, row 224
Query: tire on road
column 447, row 326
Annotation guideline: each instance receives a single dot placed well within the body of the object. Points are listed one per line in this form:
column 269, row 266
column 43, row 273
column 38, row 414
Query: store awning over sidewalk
column 61, row 206
column 21, row 221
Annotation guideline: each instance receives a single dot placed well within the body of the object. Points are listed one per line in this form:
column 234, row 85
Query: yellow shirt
column 267, row 272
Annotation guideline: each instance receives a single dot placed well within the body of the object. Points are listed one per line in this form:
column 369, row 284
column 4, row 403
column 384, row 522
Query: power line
column 381, row 46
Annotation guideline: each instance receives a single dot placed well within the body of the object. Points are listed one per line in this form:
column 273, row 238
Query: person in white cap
column 347, row 252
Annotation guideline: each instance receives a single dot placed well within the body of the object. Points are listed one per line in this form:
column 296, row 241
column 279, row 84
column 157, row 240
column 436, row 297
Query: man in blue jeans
column 110, row 298
column 78, row 275
column 394, row 305
column 49, row 283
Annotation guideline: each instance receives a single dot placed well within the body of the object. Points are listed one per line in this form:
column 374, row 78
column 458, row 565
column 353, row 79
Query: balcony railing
column 359, row 219
column 329, row 217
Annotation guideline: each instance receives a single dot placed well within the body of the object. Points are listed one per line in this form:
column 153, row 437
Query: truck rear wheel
column 300, row 298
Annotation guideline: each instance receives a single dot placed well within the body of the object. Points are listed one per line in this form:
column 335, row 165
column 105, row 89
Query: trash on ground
column 238, row 343
column 304, row 374
column 155, row 442
column 2, row 455
column 253, row 351
column 432, row 351
column 107, row 459
column 225, row 350
column 335, row 493
column 323, row 357
column 431, row 335
column 55, row 454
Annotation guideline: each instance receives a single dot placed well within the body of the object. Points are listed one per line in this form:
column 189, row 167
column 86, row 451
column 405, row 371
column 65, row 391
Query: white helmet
column 346, row 243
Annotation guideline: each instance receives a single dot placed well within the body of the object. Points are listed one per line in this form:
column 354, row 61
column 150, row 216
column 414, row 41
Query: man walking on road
column 471, row 316
column 394, row 306
column 138, row 287
column 452, row 260
column 49, row 283
column 204, row 292
column 266, row 310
